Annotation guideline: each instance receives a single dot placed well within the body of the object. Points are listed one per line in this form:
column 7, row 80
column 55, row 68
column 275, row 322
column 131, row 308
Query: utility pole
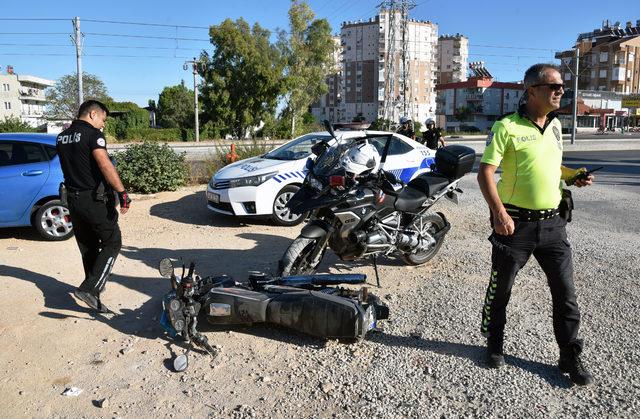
column 194, row 64
column 574, row 117
column 77, row 40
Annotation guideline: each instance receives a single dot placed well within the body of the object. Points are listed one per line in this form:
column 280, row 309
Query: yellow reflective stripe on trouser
column 491, row 293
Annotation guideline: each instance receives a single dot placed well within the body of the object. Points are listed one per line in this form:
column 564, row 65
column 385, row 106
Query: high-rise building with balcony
column 388, row 70
column 609, row 59
column 453, row 55
column 23, row 97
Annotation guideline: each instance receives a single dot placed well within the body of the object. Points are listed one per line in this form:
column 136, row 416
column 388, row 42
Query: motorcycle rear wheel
column 295, row 260
column 433, row 223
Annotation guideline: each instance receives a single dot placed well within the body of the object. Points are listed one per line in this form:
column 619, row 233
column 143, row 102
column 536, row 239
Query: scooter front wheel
column 297, row 258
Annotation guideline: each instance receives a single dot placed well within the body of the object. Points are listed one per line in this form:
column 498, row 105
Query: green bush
column 153, row 134
column 151, row 167
column 244, row 151
column 14, row 124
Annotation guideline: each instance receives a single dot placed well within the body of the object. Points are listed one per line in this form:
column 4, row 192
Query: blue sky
column 136, row 69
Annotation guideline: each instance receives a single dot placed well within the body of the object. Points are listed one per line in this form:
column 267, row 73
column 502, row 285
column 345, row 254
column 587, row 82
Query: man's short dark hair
column 92, row 105
column 536, row 73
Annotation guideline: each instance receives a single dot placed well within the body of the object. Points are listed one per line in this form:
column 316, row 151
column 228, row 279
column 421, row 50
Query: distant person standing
column 406, row 128
column 432, row 135
column 525, row 207
column 90, row 180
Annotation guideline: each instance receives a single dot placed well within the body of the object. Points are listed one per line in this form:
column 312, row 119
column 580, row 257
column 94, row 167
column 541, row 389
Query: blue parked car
column 30, row 175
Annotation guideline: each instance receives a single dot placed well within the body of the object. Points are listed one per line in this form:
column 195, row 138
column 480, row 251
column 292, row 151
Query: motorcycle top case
column 454, row 161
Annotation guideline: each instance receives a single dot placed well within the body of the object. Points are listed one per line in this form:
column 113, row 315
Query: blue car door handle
column 32, row 173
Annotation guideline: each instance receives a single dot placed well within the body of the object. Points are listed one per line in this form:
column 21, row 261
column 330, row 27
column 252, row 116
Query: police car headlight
column 251, row 181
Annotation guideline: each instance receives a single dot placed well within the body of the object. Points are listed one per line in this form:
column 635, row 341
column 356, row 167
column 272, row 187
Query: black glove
column 124, row 199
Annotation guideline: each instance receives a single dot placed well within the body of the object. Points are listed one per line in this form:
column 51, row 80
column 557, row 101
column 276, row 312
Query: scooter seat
column 418, row 190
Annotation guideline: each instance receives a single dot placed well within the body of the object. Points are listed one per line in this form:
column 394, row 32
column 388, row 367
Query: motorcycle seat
column 418, row 190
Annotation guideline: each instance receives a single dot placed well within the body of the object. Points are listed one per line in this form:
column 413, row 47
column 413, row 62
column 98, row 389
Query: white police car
column 261, row 186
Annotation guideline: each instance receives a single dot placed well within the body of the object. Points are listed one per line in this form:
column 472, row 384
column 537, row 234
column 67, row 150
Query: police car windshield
column 299, row 148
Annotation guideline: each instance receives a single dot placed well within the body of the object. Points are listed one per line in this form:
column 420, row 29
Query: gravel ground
column 427, row 362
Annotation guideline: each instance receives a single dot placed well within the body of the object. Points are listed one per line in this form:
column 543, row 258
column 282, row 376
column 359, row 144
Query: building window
column 6, row 87
column 7, row 105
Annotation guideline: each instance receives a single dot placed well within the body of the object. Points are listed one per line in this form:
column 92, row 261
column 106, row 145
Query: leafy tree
column 14, row 124
column 462, row 114
column 308, row 51
column 62, row 98
column 381, row 125
column 175, row 107
column 242, row 78
column 125, row 116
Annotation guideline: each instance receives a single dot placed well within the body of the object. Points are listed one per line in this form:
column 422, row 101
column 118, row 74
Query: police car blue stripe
column 288, row 175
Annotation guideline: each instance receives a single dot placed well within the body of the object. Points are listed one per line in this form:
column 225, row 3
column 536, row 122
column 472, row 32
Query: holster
column 566, row 205
column 62, row 192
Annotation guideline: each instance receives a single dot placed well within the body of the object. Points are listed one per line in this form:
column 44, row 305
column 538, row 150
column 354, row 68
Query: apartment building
column 475, row 104
column 609, row 59
column 22, row 96
column 386, row 43
column 453, row 56
column 329, row 105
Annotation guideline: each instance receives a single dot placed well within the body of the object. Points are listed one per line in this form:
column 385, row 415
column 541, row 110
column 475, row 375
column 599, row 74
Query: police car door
column 402, row 159
column 22, row 176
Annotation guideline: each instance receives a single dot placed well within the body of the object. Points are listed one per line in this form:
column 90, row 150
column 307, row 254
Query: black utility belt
column 524, row 214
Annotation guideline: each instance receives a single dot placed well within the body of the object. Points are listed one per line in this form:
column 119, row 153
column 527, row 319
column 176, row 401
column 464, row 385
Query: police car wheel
column 281, row 214
column 53, row 222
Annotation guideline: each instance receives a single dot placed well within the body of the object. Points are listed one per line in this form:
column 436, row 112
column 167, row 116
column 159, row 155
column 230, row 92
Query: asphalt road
column 619, row 168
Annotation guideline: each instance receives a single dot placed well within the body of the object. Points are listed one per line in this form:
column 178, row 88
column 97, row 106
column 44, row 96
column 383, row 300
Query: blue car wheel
column 53, row 222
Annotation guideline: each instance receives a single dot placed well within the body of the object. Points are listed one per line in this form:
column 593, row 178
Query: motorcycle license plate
column 213, row 197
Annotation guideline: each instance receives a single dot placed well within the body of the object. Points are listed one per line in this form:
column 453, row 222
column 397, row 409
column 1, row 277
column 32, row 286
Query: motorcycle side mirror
column 329, row 128
column 165, row 267
column 180, row 363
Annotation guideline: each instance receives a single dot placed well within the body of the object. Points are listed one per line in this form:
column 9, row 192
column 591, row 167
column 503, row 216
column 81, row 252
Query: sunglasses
column 553, row 86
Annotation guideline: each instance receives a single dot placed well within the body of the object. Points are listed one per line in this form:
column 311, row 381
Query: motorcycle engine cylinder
column 356, row 237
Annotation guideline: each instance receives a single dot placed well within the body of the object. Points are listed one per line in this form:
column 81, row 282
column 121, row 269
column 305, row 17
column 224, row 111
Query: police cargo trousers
column 95, row 223
column 547, row 241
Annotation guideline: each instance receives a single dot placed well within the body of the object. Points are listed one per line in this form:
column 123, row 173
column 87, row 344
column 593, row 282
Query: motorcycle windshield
column 329, row 162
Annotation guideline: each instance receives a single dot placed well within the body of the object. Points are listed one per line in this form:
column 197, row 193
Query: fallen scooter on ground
column 311, row 304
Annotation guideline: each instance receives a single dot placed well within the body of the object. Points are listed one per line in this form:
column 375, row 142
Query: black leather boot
column 571, row 364
column 495, row 355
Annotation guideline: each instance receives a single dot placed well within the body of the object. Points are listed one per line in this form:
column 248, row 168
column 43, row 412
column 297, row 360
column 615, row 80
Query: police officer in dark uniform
column 528, row 217
column 90, row 180
column 406, row 128
column 432, row 135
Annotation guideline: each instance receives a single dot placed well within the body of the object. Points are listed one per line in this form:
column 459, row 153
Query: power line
column 34, row 33
column 145, row 24
column 146, row 37
column 509, row 47
column 31, row 19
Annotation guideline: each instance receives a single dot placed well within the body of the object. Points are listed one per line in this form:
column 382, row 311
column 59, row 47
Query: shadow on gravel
column 23, row 233
column 263, row 257
column 192, row 209
column 475, row 353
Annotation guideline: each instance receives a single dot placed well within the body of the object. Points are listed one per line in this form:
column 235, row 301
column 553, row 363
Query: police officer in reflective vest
column 90, row 180
column 525, row 207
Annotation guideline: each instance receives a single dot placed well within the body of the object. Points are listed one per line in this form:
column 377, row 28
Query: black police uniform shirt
column 75, row 146
column 431, row 138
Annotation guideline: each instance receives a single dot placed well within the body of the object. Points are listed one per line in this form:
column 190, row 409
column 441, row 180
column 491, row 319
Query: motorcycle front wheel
column 296, row 259
column 428, row 224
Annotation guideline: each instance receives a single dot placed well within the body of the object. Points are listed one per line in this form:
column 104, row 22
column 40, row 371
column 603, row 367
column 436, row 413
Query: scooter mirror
column 180, row 363
column 165, row 267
